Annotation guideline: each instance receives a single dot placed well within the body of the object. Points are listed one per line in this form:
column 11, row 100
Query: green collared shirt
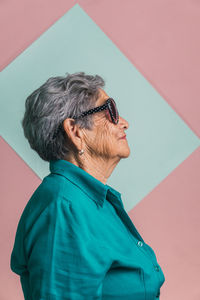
column 75, row 241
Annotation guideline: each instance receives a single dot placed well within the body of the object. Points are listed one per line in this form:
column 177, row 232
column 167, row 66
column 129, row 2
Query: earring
column 81, row 151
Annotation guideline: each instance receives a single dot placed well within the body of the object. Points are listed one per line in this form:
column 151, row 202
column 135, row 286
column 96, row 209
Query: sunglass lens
column 114, row 110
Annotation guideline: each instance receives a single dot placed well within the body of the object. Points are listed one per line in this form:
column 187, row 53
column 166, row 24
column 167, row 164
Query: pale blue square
column 158, row 138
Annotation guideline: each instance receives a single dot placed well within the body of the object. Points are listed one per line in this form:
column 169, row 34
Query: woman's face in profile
column 105, row 138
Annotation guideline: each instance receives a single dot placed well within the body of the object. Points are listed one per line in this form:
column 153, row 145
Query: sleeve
column 63, row 262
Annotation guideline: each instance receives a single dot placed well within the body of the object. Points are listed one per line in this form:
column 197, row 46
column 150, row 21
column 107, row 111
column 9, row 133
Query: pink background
column 161, row 38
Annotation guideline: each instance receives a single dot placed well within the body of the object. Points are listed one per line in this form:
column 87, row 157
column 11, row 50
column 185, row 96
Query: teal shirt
column 74, row 240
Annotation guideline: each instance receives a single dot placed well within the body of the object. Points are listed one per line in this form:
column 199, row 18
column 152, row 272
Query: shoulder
column 54, row 187
column 53, row 196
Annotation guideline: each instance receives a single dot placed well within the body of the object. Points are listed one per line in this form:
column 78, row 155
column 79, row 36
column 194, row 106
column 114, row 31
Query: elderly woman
column 74, row 239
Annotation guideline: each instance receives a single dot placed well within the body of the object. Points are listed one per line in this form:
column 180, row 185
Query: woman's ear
column 73, row 132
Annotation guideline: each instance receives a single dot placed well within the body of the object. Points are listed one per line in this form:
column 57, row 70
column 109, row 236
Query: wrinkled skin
column 102, row 146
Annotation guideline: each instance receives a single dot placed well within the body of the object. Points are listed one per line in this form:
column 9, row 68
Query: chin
column 125, row 153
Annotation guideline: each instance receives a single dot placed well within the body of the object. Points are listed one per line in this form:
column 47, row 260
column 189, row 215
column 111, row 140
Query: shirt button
column 140, row 243
column 157, row 268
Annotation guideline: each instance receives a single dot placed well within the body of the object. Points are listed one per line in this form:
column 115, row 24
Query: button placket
column 128, row 223
column 124, row 216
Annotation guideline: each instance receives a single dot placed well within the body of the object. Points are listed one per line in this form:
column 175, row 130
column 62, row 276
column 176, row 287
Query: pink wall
column 161, row 38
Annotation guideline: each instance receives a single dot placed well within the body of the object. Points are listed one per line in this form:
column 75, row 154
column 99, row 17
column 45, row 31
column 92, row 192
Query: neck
column 98, row 167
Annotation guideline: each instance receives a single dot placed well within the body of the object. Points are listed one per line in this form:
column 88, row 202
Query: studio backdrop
column 148, row 54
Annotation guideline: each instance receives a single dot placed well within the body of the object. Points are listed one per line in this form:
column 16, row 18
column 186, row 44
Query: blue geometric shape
column 159, row 139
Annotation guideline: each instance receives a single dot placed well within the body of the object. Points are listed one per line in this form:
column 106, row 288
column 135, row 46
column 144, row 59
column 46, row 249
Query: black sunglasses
column 109, row 104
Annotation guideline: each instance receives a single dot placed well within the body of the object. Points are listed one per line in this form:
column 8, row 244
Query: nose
column 123, row 123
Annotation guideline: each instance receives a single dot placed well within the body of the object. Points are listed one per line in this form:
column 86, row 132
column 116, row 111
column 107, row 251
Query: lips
column 123, row 137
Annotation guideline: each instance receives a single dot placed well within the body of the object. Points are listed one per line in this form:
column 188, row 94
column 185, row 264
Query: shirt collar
column 93, row 187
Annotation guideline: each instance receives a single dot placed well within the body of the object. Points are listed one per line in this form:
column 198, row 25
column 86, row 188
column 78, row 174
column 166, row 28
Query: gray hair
column 48, row 106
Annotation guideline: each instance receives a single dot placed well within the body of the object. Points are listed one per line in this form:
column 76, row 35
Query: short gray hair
column 48, row 106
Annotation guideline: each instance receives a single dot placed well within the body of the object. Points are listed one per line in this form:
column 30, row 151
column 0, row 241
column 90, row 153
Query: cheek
column 108, row 116
column 103, row 140
column 106, row 139
column 102, row 134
